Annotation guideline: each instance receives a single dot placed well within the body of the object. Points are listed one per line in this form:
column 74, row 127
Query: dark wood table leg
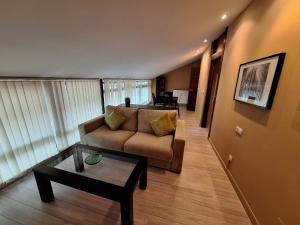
column 143, row 177
column 127, row 211
column 44, row 186
column 78, row 160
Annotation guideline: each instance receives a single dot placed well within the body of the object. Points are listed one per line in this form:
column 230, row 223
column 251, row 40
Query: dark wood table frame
column 155, row 107
column 123, row 194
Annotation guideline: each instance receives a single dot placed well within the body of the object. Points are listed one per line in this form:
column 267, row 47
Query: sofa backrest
column 145, row 116
column 131, row 115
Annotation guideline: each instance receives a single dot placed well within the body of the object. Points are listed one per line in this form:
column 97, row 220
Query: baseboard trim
column 236, row 187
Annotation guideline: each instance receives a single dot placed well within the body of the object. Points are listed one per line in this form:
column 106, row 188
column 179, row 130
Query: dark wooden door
column 215, row 69
column 218, row 47
column 193, row 88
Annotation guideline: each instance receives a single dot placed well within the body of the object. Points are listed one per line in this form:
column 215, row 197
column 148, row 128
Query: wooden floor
column 200, row 195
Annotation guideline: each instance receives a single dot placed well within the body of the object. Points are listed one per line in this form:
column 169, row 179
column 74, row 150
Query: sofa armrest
column 90, row 125
column 178, row 147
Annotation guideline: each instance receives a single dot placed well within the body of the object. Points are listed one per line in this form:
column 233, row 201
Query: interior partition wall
column 39, row 118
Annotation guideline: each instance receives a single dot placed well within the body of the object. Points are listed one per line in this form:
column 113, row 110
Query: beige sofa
column 136, row 136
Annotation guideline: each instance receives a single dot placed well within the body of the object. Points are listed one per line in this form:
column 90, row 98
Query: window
column 115, row 91
column 40, row 118
column 143, row 91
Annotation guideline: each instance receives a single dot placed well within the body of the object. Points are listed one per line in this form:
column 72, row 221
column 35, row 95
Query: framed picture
column 257, row 81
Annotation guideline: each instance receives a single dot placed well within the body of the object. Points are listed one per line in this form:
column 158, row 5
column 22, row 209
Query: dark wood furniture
column 166, row 100
column 68, row 168
column 156, row 107
column 194, row 80
column 160, row 86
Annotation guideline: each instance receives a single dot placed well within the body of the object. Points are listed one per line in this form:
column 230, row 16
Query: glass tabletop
column 112, row 168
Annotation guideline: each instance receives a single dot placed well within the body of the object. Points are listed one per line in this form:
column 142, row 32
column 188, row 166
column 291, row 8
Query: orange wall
column 179, row 79
column 266, row 158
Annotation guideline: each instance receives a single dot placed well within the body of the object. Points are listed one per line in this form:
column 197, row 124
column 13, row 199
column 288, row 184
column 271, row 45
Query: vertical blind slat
column 40, row 118
column 115, row 91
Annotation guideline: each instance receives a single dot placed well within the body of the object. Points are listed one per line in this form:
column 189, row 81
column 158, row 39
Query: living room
column 149, row 112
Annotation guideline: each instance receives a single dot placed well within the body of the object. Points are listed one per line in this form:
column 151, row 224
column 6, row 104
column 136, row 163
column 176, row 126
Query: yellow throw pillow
column 115, row 119
column 162, row 126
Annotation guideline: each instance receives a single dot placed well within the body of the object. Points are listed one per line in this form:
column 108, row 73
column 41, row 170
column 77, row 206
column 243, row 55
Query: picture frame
column 258, row 79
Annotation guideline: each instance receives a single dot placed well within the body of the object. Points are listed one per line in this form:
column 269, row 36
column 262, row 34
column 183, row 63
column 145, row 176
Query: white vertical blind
column 74, row 102
column 115, row 91
column 40, row 118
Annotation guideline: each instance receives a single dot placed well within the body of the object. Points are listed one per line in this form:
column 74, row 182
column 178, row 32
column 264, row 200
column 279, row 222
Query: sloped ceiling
column 111, row 39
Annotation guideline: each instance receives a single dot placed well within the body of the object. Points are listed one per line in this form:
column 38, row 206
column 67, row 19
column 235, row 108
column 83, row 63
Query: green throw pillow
column 162, row 126
column 115, row 119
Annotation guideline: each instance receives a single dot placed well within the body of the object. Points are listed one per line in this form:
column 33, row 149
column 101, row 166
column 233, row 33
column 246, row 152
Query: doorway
column 193, row 88
column 211, row 93
column 218, row 47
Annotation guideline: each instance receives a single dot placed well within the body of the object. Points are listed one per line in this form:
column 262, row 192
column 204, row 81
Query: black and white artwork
column 257, row 81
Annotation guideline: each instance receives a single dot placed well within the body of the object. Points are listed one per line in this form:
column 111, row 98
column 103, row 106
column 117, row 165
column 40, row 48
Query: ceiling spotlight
column 224, row 16
column 205, row 41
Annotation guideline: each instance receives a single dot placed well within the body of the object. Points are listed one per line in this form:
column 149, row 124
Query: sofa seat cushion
column 104, row 137
column 151, row 146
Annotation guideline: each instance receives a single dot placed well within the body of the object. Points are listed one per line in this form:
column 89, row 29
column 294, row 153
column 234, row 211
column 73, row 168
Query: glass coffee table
column 114, row 177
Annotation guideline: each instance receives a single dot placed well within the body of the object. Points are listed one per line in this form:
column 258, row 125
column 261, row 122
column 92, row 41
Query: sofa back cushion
column 130, row 123
column 145, row 116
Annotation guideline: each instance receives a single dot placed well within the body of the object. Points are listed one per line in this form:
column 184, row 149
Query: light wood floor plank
column 5, row 221
column 200, row 195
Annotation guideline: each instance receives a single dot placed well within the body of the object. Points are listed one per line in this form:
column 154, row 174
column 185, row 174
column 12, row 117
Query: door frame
column 219, row 42
column 197, row 73
column 215, row 97
column 207, row 102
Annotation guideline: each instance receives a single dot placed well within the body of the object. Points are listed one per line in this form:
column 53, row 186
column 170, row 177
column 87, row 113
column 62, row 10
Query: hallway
column 200, row 195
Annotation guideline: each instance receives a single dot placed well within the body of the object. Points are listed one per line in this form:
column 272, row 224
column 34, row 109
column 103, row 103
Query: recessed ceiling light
column 205, row 40
column 224, row 16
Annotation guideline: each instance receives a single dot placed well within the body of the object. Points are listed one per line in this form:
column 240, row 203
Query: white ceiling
column 111, row 39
